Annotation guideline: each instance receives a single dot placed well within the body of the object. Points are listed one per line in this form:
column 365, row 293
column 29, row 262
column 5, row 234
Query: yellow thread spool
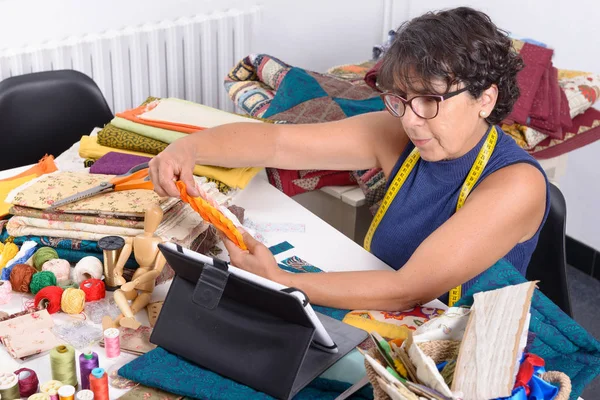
column 9, row 386
column 39, row 396
column 62, row 363
column 72, row 301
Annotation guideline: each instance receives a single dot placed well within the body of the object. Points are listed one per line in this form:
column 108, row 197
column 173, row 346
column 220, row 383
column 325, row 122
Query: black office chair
column 45, row 113
column 549, row 263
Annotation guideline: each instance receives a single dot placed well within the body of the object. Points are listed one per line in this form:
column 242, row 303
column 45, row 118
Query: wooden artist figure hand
column 151, row 263
column 118, row 278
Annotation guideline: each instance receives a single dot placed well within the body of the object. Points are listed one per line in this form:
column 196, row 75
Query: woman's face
column 455, row 130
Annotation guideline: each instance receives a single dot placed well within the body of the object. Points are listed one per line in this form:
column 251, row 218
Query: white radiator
column 187, row 58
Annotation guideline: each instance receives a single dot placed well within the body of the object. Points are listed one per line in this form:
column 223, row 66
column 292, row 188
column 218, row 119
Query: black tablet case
column 256, row 336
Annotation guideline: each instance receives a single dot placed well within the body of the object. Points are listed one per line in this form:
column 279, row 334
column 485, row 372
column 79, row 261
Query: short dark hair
column 456, row 45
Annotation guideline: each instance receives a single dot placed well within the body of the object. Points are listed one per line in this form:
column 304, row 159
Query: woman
column 449, row 78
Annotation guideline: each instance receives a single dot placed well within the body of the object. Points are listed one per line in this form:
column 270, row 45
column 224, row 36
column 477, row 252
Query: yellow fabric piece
column 9, row 251
column 233, row 177
column 6, row 187
column 388, row 331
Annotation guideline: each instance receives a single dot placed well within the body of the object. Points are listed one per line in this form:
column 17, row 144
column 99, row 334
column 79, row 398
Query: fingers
column 251, row 243
column 163, row 175
column 187, row 177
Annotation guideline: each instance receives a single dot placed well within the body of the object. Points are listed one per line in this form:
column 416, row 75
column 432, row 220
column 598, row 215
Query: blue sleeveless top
column 428, row 199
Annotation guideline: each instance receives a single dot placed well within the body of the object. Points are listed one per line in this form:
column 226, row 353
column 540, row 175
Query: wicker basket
column 442, row 350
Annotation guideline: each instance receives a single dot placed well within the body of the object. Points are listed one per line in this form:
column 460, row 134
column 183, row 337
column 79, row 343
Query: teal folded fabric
column 564, row 345
column 163, row 370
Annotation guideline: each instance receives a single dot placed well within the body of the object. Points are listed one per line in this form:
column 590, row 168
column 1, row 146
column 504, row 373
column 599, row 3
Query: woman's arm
column 505, row 209
column 354, row 143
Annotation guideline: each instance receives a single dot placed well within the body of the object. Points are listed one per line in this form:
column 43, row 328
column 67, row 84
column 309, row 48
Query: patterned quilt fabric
column 268, row 88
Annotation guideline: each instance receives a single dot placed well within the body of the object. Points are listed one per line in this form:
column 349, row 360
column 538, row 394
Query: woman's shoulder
column 507, row 152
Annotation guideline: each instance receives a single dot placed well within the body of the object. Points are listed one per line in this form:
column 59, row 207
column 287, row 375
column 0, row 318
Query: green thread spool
column 40, row 280
column 42, row 255
column 68, row 284
column 62, row 363
column 9, row 386
column 448, row 372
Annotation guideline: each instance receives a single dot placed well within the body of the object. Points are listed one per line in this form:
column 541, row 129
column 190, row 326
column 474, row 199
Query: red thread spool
column 49, row 298
column 93, row 288
column 28, row 382
column 99, row 384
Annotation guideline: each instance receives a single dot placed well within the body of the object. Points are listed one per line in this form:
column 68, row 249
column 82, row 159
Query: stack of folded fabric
column 150, row 128
column 74, row 229
column 553, row 115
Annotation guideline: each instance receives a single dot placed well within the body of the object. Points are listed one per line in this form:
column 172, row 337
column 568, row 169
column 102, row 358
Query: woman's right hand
column 174, row 163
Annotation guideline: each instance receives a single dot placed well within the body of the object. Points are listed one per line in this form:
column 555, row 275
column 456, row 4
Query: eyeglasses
column 426, row 106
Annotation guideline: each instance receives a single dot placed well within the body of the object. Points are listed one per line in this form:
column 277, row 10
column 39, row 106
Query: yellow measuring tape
column 480, row 162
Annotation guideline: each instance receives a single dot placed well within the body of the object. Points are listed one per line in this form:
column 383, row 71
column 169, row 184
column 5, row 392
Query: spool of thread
column 20, row 277
column 88, row 267
column 42, row 255
column 49, row 298
column 39, row 396
column 72, row 301
column 68, row 284
column 28, row 381
column 112, row 342
column 93, row 288
column 5, row 292
column 40, row 280
column 87, row 362
column 66, row 392
column 62, row 363
column 51, row 388
column 9, row 386
column 99, row 384
column 85, row 395
column 60, row 268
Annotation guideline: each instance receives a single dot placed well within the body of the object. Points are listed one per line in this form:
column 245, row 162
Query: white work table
column 320, row 244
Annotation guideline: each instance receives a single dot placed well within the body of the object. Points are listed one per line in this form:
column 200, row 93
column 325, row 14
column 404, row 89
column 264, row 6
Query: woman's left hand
column 258, row 259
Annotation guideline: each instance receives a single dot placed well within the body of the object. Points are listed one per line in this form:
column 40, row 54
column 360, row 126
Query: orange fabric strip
column 212, row 215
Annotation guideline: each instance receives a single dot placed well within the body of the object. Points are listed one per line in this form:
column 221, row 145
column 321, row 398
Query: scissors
column 136, row 178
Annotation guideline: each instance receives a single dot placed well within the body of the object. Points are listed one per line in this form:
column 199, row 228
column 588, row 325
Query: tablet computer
column 321, row 340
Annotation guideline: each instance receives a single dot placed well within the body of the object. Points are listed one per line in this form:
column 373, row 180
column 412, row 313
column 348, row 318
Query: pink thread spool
column 112, row 343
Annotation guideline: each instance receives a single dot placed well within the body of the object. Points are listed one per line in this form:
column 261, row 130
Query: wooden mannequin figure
column 151, row 263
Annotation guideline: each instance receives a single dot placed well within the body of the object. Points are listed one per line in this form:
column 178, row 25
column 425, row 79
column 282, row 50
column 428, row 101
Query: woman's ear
column 488, row 98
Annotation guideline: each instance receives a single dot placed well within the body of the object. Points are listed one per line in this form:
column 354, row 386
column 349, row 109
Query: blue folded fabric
column 564, row 345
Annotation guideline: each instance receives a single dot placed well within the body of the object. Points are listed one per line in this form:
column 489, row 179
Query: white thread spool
column 66, row 392
column 9, row 386
column 60, row 268
column 85, row 395
column 5, row 292
column 88, row 267
column 51, row 388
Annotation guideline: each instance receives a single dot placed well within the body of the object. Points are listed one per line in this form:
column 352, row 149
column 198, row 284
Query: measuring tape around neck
column 476, row 170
